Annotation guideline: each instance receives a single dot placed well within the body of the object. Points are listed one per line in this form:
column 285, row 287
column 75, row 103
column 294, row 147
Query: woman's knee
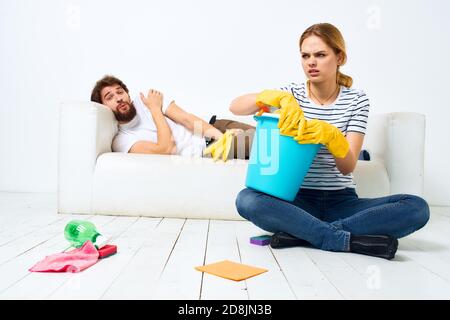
column 246, row 203
column 421, row 211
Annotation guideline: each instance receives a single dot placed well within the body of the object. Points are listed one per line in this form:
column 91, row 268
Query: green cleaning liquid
column 77, row 232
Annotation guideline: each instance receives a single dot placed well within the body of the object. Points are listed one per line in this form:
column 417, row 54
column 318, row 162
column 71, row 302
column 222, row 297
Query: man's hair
column 106, row 81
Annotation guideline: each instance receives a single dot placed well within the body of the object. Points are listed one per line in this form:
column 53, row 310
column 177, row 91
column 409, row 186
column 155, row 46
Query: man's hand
column 153, row 101
column 233, row 132
column 221, row 148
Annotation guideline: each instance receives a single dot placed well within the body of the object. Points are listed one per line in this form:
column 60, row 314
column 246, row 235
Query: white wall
column 205, row 53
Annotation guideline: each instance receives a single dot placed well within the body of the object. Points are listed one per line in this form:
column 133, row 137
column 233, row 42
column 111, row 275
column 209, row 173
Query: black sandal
column 285, row 240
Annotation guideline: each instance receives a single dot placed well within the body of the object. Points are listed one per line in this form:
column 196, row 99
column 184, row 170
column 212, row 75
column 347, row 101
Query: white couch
column 94, row 180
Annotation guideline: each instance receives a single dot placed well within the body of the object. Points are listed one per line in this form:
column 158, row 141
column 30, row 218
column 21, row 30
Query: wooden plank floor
column 157, row 256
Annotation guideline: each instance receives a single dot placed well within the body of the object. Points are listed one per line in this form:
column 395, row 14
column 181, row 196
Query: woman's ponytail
column 344, row 80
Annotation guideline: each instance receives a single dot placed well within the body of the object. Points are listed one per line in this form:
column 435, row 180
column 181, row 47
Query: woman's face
column 319, row 61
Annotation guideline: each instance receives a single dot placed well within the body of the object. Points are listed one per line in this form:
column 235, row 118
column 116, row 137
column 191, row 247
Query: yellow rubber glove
column 220, row 148
column 318, row 131
column 291, row 115
column 292, row 120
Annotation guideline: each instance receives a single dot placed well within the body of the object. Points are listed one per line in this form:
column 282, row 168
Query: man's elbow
column 169, row 149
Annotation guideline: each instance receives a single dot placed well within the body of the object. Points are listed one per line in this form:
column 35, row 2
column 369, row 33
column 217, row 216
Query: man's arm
column 192, row 122
column 150, row 148
column 165, row 143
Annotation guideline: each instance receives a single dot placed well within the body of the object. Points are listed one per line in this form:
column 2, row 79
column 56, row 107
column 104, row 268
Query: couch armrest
column 398, row 139
column 405, row 152
column 86, row 130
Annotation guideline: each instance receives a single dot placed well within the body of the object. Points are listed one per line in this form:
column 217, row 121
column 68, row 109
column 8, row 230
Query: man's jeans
column 327, row 218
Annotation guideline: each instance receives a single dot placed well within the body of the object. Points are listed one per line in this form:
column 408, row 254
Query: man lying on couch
column 155, row 124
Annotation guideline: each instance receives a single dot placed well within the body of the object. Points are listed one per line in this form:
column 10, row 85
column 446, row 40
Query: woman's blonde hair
column 333, row 38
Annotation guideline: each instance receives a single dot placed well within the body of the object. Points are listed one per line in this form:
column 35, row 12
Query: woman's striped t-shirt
column 349, row 113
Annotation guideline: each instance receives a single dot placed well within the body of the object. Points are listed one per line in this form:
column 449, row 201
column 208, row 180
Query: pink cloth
column 72, row 261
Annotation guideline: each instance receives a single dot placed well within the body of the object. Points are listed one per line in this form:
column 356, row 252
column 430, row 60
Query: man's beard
column 126, row 116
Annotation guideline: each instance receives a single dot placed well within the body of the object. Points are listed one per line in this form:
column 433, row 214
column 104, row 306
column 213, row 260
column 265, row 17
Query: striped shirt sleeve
column 289, row 88
column 360, row 113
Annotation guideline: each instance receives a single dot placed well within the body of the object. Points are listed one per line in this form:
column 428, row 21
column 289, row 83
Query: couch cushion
column 167, row 186
column 182, row 187
column 371, row 179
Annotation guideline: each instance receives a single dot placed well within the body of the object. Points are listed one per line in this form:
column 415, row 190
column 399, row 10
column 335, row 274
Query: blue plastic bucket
column 277, row 164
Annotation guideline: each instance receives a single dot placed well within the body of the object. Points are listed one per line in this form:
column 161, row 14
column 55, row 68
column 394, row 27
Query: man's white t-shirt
column 143, row 128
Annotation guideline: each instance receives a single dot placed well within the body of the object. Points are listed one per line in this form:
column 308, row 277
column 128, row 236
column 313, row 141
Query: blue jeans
column 327, row 218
